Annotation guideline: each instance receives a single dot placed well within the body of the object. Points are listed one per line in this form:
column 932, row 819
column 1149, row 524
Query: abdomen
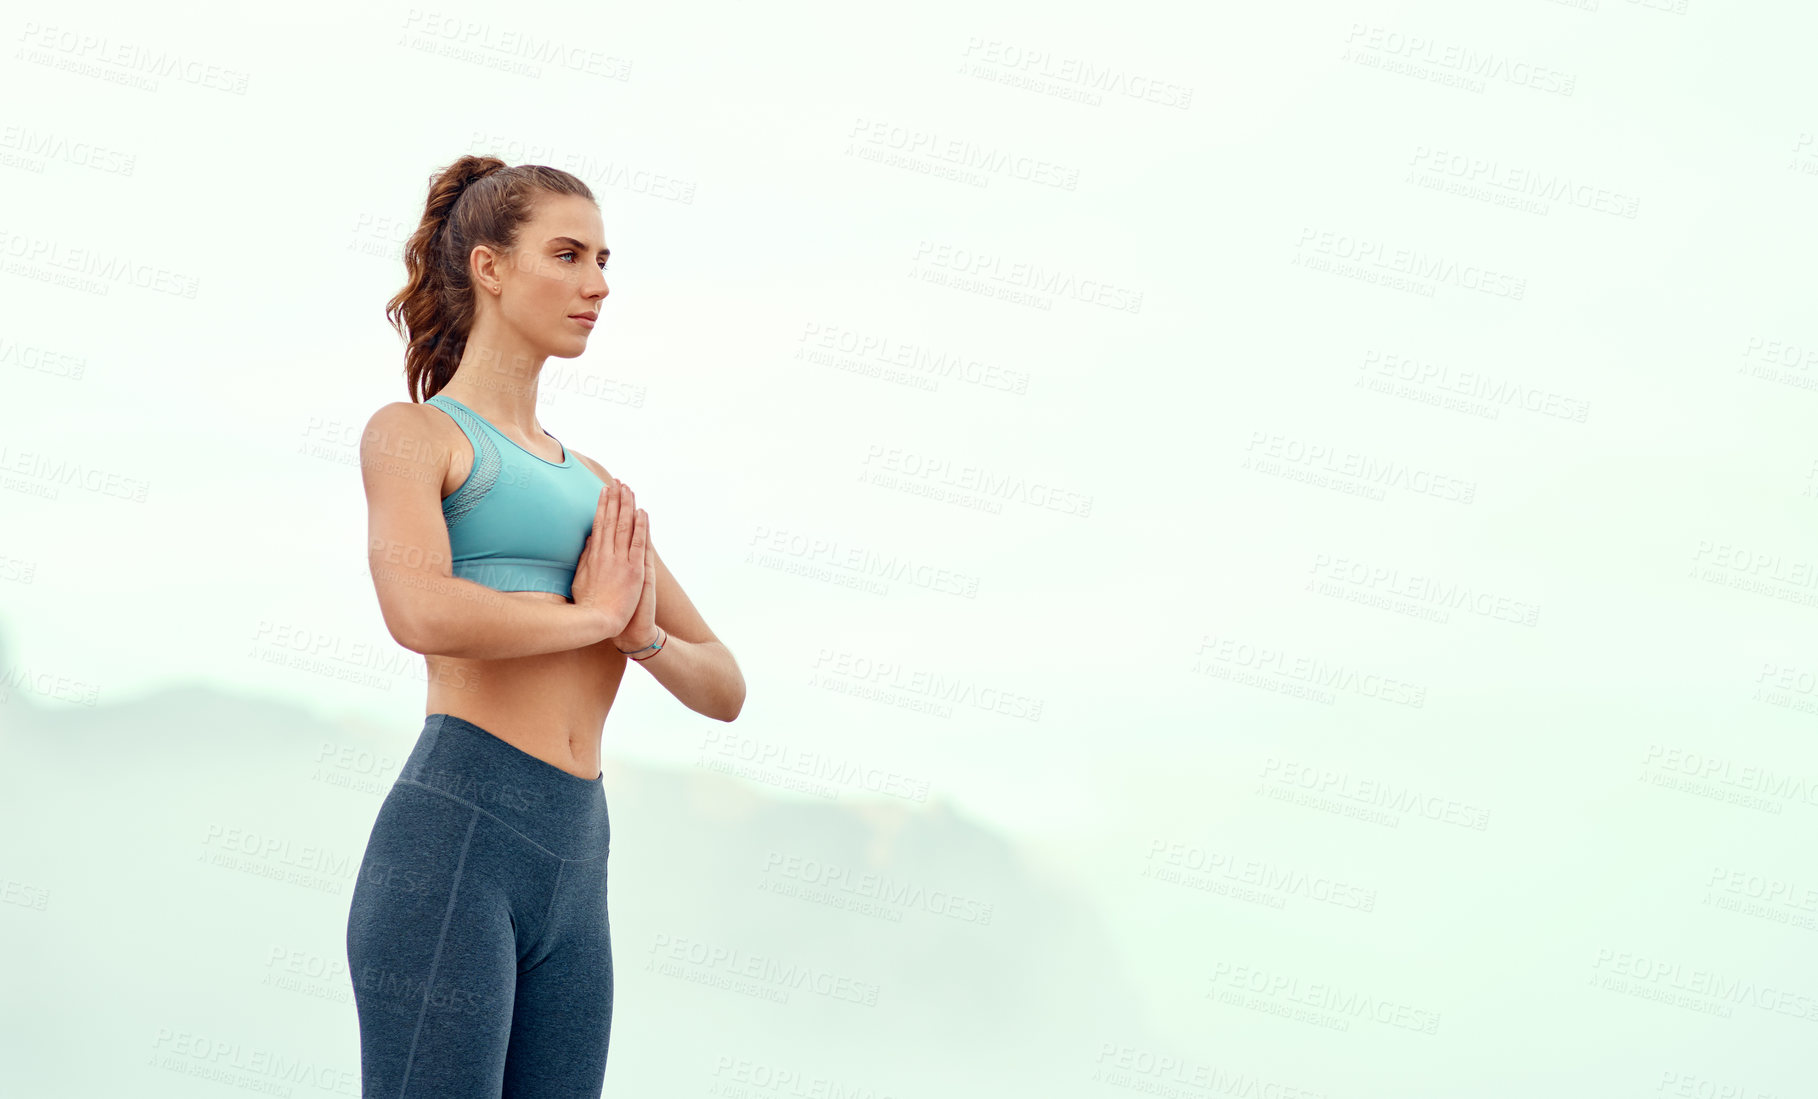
column 556, row 701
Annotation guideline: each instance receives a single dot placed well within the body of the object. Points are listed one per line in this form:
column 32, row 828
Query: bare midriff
column 551, row 705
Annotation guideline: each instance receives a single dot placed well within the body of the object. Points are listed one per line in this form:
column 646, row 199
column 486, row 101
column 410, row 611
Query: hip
column 457, row 761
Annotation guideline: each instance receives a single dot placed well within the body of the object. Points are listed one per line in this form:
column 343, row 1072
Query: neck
column 500, row 387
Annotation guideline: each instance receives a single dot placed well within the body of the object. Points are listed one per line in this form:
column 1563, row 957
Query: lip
column 583, row 318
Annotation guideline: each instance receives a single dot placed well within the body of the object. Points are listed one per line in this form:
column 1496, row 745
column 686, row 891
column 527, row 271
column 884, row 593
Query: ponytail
column 476, row 200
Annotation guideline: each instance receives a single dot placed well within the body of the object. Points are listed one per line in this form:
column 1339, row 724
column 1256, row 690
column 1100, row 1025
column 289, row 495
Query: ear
column 483, row 267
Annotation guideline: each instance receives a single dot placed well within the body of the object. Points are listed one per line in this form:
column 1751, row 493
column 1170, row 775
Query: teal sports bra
column 518, row 521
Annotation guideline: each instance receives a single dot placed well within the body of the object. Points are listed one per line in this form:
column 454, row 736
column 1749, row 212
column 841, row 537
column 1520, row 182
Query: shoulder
column 398, row 414
column 406, row 430
column 598, row 469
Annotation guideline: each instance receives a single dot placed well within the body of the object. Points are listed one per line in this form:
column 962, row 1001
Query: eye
column 571, row 252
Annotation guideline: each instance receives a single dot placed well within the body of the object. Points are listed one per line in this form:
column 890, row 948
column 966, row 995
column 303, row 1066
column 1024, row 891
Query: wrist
column 604, row 625
column 637, row 642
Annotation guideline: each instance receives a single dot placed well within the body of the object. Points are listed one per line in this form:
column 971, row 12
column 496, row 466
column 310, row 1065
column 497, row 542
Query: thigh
column 562, row 1014
column 431, row 952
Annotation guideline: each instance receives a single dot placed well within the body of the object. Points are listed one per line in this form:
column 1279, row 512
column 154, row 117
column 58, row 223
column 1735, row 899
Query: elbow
column 732, row 699
column 409, row 639
column 410, row 627
column 731, row 712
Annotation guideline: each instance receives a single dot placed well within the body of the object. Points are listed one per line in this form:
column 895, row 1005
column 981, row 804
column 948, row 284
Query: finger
column 627, row 518
column 610, row 520
column 591, row 550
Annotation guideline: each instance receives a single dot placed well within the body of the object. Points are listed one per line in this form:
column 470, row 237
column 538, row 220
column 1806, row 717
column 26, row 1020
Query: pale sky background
column 1472, row 366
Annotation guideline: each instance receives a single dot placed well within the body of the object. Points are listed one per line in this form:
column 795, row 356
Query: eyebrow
column 579, row 245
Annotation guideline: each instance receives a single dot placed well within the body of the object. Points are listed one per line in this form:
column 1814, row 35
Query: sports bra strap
column 486, row 461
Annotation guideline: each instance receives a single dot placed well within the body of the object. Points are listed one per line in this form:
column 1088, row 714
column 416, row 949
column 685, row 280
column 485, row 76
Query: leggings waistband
column 558, row 811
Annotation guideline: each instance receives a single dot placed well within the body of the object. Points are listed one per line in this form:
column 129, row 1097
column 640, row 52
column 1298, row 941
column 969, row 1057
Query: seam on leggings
column 543, row 928
column 503, row 823
column 429, row 982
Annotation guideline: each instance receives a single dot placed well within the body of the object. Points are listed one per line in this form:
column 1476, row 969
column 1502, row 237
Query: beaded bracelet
column 657, row 647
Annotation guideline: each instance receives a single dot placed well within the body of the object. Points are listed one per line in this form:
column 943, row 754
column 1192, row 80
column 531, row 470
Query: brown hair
column 476, row 200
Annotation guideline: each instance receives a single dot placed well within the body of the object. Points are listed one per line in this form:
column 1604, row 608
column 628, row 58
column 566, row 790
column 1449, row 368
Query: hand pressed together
column 641, row 631
column 614, row 574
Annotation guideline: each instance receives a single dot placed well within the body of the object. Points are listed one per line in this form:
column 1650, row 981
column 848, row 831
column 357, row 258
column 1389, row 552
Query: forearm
column 450, row 616
column 703, row 677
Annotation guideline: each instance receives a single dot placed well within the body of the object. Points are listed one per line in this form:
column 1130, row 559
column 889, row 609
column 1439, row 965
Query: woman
column 477, row 940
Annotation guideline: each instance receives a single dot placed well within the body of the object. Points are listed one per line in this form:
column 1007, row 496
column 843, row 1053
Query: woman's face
column 556, row 272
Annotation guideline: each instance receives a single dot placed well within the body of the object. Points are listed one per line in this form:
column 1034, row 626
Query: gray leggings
column 477, row 940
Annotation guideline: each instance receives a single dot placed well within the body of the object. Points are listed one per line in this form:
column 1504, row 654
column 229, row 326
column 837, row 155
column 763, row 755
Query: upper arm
column 675, row 612
column 403, row 466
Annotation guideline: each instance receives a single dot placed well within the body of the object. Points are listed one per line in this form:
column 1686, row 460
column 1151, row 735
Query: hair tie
column 657, row 645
